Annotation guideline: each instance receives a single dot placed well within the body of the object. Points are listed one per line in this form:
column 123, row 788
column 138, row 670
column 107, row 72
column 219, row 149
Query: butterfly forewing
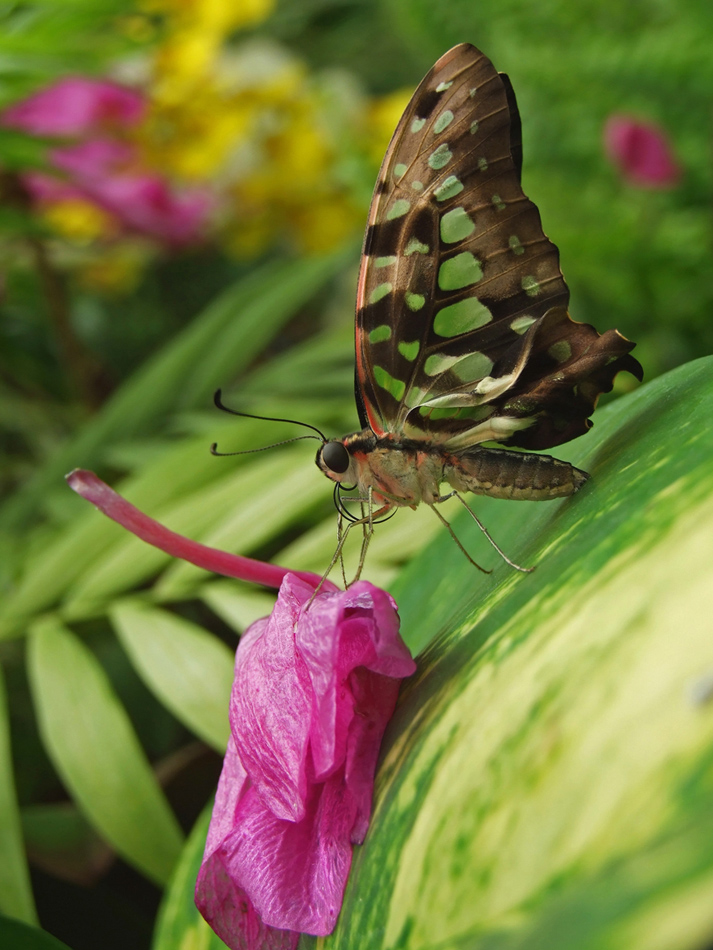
column 462, row 333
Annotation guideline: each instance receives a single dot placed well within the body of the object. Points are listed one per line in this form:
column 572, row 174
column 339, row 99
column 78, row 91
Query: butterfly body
column 406, row 474
column 462, row 330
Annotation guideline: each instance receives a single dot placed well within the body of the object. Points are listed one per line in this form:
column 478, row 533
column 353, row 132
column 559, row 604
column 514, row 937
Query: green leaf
column 188, row 669
column 547, row 778
column 219, row 344
column 15, row 935
column 93, row 746
column 15, row 889
column 179, row 923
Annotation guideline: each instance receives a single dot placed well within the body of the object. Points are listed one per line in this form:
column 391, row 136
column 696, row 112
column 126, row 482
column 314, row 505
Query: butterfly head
column 334, row 459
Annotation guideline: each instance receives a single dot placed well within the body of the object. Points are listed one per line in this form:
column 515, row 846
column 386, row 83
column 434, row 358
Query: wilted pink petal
column 641, row 152
column 313, row 692
column 76, row 106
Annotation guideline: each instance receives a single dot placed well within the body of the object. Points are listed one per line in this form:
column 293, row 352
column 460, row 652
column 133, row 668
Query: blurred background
column 184, row 186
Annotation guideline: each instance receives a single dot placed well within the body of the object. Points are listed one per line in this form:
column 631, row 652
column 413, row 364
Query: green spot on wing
column 415, row 301
column 442, row 86
column 440, row 158
column 474, row 127
column 400, row 169
column 438, row 363
column 515, row 244
column 461, row 317
column 396, row 387
column 379, row 334
column 385, row 261
column 498, row 202
column 442, row 122
column 398, row 209
column 472, row 367
column 438, row 413
column 417, row 185
column 560, row 351
column 482, row 164
column 530, row 286
column 456, row 225
column 448, row 189
column 380, row 291
column 459, row 271
column 520, row 324
column 414, row 246
column 417, row 125
column 409, row 350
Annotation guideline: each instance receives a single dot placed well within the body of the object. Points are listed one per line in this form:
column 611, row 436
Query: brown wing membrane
column 458, row 281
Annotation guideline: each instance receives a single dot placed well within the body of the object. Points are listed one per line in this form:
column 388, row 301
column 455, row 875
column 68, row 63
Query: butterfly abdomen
column 516, row 476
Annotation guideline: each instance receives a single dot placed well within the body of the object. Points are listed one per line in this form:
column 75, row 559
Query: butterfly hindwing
column 462, row 332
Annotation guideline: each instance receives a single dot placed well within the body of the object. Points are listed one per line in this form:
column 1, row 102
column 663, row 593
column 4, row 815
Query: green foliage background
column 117, row 662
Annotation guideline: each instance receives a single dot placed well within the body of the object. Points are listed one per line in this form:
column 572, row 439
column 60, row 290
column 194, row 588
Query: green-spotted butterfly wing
column 462, row 331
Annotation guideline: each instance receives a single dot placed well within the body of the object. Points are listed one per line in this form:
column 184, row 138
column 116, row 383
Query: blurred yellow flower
column 224, row 15
column 80, row 221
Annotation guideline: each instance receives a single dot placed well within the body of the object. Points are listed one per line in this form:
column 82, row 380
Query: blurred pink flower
column 107, row 171
column 315, row 686
column 641, row 152
column 76, row 106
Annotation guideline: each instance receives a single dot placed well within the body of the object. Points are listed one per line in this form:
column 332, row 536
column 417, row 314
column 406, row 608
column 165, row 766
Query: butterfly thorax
column 408, row 472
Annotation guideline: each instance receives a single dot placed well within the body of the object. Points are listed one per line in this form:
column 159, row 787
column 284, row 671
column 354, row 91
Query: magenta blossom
column 641, row 152
column 101, row 166
column 315, row 686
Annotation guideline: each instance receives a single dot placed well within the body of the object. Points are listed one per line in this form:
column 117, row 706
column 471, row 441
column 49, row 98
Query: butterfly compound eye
column 335, row 457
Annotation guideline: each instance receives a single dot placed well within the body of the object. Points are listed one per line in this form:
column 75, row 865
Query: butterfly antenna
column 298, row 438
column 247, row 415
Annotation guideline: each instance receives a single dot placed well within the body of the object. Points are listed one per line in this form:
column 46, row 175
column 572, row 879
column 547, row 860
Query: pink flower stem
column 89, row 486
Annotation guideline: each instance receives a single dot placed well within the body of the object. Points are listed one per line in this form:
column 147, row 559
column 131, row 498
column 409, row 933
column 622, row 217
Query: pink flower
column 76, row 106
column 106, row 170
column 641, row 152
column 315, row 686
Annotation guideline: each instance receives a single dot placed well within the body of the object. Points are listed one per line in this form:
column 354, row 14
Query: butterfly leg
column 453, row 534
column 455, row 494
column 367, row 523
column 367, row 531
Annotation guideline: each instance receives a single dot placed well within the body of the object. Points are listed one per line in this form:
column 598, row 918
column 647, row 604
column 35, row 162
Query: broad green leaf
column 15, row 889
column 189, row 669
column 236, row 604
column 179, row 923
column 16, row 935
column 95, row 750
column 547, row 778
column 221, row 342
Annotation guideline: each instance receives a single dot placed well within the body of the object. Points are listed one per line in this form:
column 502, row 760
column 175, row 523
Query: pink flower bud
column 641, row 152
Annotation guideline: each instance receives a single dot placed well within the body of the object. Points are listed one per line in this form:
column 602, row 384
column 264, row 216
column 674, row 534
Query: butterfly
column 462, row 332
